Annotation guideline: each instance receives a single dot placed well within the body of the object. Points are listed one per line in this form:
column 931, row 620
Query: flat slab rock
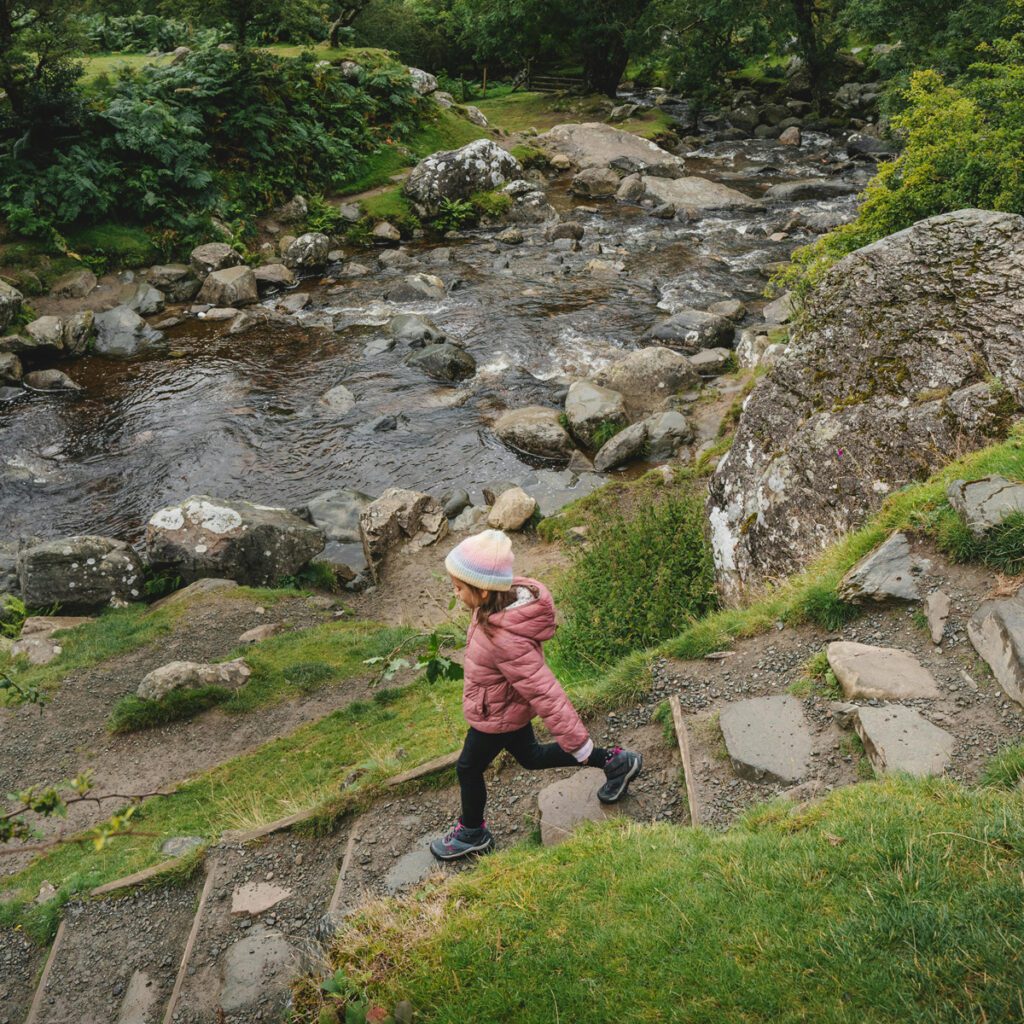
column 986, row 502
column 997, row 632
column 889, row 573
column 767, row 739
column 565, row 804
column 256, row 897
column 261, row 960
column 413, row 867
column 879, row 673
column 899, row 739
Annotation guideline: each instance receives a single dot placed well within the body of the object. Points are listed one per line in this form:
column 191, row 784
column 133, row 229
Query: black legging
column 481, row 748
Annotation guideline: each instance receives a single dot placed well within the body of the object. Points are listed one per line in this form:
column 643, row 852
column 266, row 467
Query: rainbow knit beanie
column 483, row 560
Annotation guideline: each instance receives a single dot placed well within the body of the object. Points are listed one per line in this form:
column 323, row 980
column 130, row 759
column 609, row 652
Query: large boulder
column 234, row 540
column 590, row 407
column 908, row 351
column 230, row 288
column 626, row 446
column 191, row 675
column 535, row 430
column 400, row 518
column 75, row 284
column 593, row 144
column 79, row 573
column 423, row 81
column 307, row 252
column 690, row 330
column 696, row 194
column 647, row 376
column 10, row 305
column 457, row 174
column 122, row 332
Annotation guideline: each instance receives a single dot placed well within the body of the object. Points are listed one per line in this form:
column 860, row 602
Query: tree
column 253, row 20
column 342, row 13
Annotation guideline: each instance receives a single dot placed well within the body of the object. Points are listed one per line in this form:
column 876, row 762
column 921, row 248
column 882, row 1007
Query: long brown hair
column 494, row 601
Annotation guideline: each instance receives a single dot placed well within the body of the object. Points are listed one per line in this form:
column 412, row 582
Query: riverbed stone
column 445, row 362
column 80, row 573
column 647, row 376
column 10, row 304
column 273, row 277
column 767, row 739
column 626, row 446
column 177, row 281
column 593, row 144
column 595, row 183
column 252, row 967
column 400, row 518
column 711, row 362
column 205, row 259
column 251, row 544
column 810, row 188
column 986, row 502
column 694, row 193
column 535, row 430
column 384, row 231
column 588, row 406
column 336, row 513
column 142, row 297
column 415, row 330
column 512, row 511
column 46, row 332
column 937, row 606
column 416, row 288
column 997, row 632
column 780, row 310
column 480, row 166
column 866, row 672
column 122, row 332
column 50, row 380
column 899, row 739
column 690, row 330
column 666, row 431
column 339, row 400
column 10, row 368
column 232, row 287
column 889, row 573
column 307, row 252
column 192, row 675
column 78, row 330
column 566, row 804
column 76, row 284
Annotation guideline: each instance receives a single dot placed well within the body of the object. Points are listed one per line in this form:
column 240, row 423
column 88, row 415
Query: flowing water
column 238, row 417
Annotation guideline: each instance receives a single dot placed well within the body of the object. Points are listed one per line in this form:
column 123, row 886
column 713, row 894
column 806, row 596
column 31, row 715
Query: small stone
column 260, row 633
column 937, row 607
column 512, row 511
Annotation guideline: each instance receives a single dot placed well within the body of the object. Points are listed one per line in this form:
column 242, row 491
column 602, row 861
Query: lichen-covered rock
column 416, row 288
column 230, row 288
column 307, row 252
column 235, row 540
column 535, row 430
column 79, row 573
column 191, row 675
column 457, row 174
column 696, row 193
column 885, row 377
column 399, row 518
column 76, row 284
column 423, row 81
column 205, row 259
column 10, row 305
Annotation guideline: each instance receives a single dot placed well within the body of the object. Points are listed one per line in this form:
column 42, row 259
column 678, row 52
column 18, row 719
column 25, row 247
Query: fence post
column 484, row 88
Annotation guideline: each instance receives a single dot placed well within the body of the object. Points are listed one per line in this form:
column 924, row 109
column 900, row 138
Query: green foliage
column 132, row 713
column 323, row 217
column 638, row 581
column 604, row 432
column 490, row 205
column 530, row 157
column 141, row 33
column 454, row 214
column 1006, row 769
column 818, row 678
column 1002, row 547
column 12, row 615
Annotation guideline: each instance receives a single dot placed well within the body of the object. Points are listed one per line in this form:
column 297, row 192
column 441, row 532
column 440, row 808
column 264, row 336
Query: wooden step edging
column 186, row 954
column 346, row 862
column 139, row 878
column 684, row 752
column 37, row 999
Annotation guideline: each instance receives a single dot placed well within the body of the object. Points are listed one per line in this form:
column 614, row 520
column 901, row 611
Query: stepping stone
column 898, row 739
column 937, row 607
column 997, row 632
column 879, row 673
column 412, row 868
column 261, row 961
column 568, row 802
column 256, row 897
column 767, row 739
column 986, row 502
column 178, row 846
column 140, row 1002
column 886, row 574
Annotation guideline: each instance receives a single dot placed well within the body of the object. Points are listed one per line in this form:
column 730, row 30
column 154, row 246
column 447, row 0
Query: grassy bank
column 891, row 901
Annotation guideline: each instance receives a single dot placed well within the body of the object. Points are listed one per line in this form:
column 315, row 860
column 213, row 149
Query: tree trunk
column 813, row 51
column 604, row 66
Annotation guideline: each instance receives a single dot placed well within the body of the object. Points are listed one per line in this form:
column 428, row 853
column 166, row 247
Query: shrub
column 12, row 615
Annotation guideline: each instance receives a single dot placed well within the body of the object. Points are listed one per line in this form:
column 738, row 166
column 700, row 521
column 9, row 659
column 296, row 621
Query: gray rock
column 178, row 846
column 647, row 376
column 565, row 229
column 860, row 145
column 711, row 362
column 232, row 287
column 780, row 310
column 566, row 804
column 535, row 430
column 254, row 968
column 512, row 511
column 273, row 277
column 731, row 309
column 589, row 406
column 142, row 297
column 695, row 193
column 422, row 81
column 474, row 115
column 10, row 368
column 337, row 514
column 205, row 259
column 385, row 232
column 78, row 332
column 10, row 305
column 295, row 211
column 690, row 330
column 627, row 445
column 985, row 503
column 810, row 188
column 122, row 332
column 595, row 183
column 307, row 252
column 176, row 280
column 879, row 673
column 443, row 362
column 339, row 400
column 889, row 573
column 899, row 739
column 50, row 380
column 81, row 573
column 257, row 316
column 872, row 393
column 510, row 236
column 937, row 607
column 767, row 739
column 666, row 431
column 234, row 540
column 400, row 518
column 46, row 332
column 412, row 868
column 415, row 330
column 470, row 520
column 416, row 288
column 631, row 189
column 997, row 631
column 76, row 284
column 456, row 503
column 494, row 489
column 191, row 675
column 456, row 174
column 593, row 144
column 395, row 259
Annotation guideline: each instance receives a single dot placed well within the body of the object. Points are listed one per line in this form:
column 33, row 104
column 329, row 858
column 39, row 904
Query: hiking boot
column 462, row 842
column 620, row 769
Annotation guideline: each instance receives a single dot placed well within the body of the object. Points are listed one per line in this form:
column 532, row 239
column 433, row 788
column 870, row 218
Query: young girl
column 507, row 683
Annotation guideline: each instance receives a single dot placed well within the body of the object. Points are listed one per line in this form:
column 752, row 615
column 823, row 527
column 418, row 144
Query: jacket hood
column 536, row 620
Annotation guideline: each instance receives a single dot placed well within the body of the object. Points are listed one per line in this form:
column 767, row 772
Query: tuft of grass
column 756, row 924
column 1006, row 769
column 817, row 679
column 604, row 432
column 133, row 714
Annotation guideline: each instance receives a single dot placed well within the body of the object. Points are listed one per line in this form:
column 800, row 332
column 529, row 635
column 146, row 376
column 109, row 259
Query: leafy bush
column 638, row 581
column 12, row 615
column 140, row 33
column 454, row 214
column 132, row 713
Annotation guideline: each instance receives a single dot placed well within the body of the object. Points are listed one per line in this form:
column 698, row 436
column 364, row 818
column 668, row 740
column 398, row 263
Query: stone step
column 114, row 960
column 879, row 673
column 899, row 739
column 566, row 804
column 767, row 739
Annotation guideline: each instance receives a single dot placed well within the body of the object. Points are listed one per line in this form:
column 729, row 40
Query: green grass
column 1006, row 769
column 896, row 901
column 818, row 679
column 132, row 713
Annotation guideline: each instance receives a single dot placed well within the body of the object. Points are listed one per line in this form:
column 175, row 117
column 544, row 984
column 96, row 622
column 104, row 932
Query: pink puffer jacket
column 507, row 681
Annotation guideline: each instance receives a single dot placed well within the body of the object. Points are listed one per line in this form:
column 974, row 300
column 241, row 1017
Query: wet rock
column 860, row 145
column 10, row 368
column 458, row 174
column 889, row 573
column 810, row 188
column 443, row 362
column 666, row 431
column 10, row 305
column 76, row 284
column 415, row 330
column 879, row 673
column 456, row 503
column 272, row 277
column 767, row 739
column 566, row 804
column 512, row 511
column 510, row 236
column 50, row 380
column 256, row 316
column 899, row 739
column 780, row 310
column 191, row 675
column 336, row 513
column 416, row 288
column 176, row 281
column 232, row 287
column 253, row 967
column 46, row 332
column 535, row 430
column 695, row 193
column 997, row 632
column 631, row 189
column 595, row 183
column 411, row 868
column 205, row 259
column 142, row 297
column 400, row 518
column 423, row 81
column 593, row 144
column 565, row 229
column 626, row 446
column 647, row 376
column 339, row 400
column 731, row 309
column 871, row 393
column 395, row 259
column 80, row 573
column 985, row 503
column 494, row 489
column 383, row 231
column 690, row 330
column 236, row 540
column 307, row 252
column 711, row 362
column 589, row 407
column 937, row 607
column 791, row 136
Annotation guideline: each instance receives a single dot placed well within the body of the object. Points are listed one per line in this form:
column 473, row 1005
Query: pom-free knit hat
column 483, row 560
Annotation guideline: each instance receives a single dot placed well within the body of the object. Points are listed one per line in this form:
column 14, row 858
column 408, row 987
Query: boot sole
column 483, row 848
column 621, row 792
